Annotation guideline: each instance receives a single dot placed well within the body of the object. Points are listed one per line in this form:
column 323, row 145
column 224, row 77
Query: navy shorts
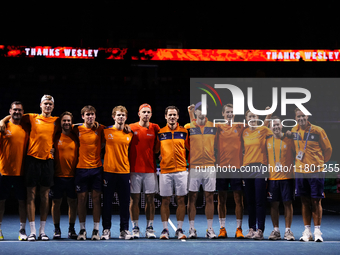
column 39, row 172
column 223, row 184
column 89, row 179
column 310, row 185
column 18, row 184
column 280, row 190
column 61, row 185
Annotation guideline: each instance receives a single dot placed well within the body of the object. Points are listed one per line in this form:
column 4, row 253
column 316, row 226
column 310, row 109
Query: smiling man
column 116, row 173
column 313, row 149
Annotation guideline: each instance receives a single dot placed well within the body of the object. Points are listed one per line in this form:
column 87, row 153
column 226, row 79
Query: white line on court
column 160, row 241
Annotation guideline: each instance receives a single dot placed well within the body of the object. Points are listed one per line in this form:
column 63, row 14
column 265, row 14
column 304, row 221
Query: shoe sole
column 56, row 237
column 164, row 238
column 81, row 239
column 151, row 237
column 222, row 236
column 290, row 239
column 274, row 238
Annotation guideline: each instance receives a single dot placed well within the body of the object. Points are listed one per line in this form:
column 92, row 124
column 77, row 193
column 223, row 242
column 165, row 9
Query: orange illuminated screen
column 168, row 54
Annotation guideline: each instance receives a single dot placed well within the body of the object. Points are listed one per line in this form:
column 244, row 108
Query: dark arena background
column 135, row 74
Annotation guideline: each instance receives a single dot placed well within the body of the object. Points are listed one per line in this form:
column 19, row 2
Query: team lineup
column 46, row 156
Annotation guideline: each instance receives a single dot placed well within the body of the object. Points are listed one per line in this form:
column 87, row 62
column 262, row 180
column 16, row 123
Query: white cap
column 47, row 97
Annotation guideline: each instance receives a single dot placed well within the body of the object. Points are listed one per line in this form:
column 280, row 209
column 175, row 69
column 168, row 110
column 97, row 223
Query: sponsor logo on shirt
column 150, row 134
column 136, row 133
column 60, row 142
column 127, row 138
column 110, row 136
column 8, row 132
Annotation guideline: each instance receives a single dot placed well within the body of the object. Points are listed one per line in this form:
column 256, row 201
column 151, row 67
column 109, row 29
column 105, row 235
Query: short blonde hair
column 119, row 108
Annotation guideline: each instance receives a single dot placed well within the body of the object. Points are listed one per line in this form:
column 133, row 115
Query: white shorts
column 147, row 181
column 208, row 181
column 178, row 180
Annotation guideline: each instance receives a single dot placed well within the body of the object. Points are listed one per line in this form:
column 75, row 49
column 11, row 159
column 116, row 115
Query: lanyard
column 274, row 149
column 298, row 134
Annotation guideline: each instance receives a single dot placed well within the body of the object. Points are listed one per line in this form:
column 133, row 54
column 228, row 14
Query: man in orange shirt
column 66, row 157
column 39, row 169
column 281, row 178
column 172, row 142
column 143, row 169
column 89, row 171
column 13, row 145
column 116, row 173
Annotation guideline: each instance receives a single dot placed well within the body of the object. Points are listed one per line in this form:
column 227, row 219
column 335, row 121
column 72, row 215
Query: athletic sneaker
column 223, row 233
column 210, row 234
column 317, row 235
column 43, row 237
column 106, row 234
column 239, row 234
column 82, row 235
column 258, row 235
column 180, row 234
column 274, row 235
column 164, row 234
column 135, row 232
column 1, row 235
column 306, row 236
column 125, row 234
column 95, row 235
column 289, row 236
column 72, row 233
column 57, row 233
column 250, row 234
column 150, row 233
column 31, row 237
column 192, row 234
column 22, row 235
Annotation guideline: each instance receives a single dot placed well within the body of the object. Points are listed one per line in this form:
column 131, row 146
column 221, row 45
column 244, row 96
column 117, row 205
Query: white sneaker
column 164, row 234
column 31, row 237
column 192, row 234
column 43, row 237
column 126, row 234
column 106, row 234
column 82, row 235
column 250, row 234
column 1, row 235
column 258, row 235
column 135, row 232
column 150, row 233
column 274, row 235
column 289, row 236
column 22, row 235
column 95, row 235
column 317, row 235
column 210, row 234
column 180, row 234
column 306, row 236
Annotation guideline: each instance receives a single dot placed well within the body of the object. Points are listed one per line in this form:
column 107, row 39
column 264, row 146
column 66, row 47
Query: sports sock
column 165, row 224
column 179, row 224
column 239, row 223
column 134, row 223
column 82, row 225
column 287, row 229
column 57, row 226
column 192, row 224
column 149, row 223
column 317, row 227
column 210, row 223
column 276, row 229
column 222, row 222
column 71, row 226
column 96, row 225
column 307, row 227
column 22, row 225
column 42, row 227
column 32, row 226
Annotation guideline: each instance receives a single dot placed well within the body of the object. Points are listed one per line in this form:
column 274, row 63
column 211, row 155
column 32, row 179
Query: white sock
column 192, row 224
column 179, row 224
column 42, row 227
column 222, row 222
column 82, row 225
column 276, row 229
column 317, row 227
column 32, row 226
column 134, row 223
column 165, row 224
column 210, row 223
column 96, row 225
column 239, row 223
column 149, row 223
column 22, row 225
column 307, row 227
column 287, row 229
